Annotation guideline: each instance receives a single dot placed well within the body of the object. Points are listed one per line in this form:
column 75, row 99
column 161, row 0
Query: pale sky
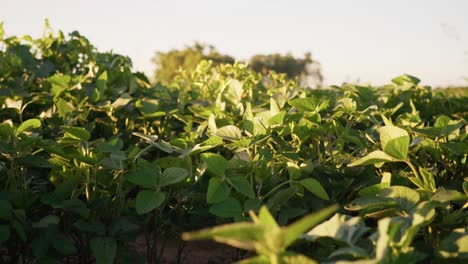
column 367, row 40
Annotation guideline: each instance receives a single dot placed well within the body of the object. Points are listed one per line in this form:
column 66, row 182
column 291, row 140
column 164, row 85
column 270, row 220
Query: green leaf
column 77, row 133
column 172, row 175
column 295, row 258
column 228, row 208
column 343, row 228
column 255, row 260
column 147, row 201
column 304, row 104
column 282, row 197
column 19, row 229
column 212, row 123
column 216, row 164
column 229, row 132
column 146, row 175
column 59, row 84
column 428, row 179
column 76, row 206
column 444, row 196
column 4, row 233
column 374, row 157
column 5, row 210
column 6, row 130
column 369, row 202
column 28, row 124
column 406, row 198
column 63, row 245
column 242, row 235
column 94, row 227
column 64, row 107
column 277, row 119
column 266, row 219
column 217, row 191
column 314, row 186
column 455, row 245
column 104, row 249
column 252, row 205
column 150, row 139
column 405, row 78
column 293, row 231
column 373, row 189
column 242, row 185
column 395, row 141
column 149, row 107
column 46, row 221
column 101, row 84
column 293, row 170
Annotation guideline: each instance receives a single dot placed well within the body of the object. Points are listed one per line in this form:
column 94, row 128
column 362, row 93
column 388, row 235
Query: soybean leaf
column 405, row 78
column 373, row 158
column 241, row 235
column 46, row 221
column 217, row 191
column 282, row 197
column 242, row 185
column 4, row 233
column 295, row 258
column 77, row 133
column 76, row 206
column 454, row 245
column 228, row 208
column 63, row 245
column 293, row 170
column 369, row 202
column 443, row 196
column 304, row 104
column 395, row 141
column 28, row 124
column 406, row 198
column 266, row 219
column 342, row 228
column 147, row 201
column 314, row 186
column 64, row 107
column 5, row 210
column 255, row 260
column 373, row 189
column 252, row 205
column 104, row 249
column 229, row 132
column 172, row 175
column 216, row 164
column 293, row 231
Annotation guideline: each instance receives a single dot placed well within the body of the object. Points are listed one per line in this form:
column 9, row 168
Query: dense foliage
column 169, row 63
column 93, row 156
column 306, row 70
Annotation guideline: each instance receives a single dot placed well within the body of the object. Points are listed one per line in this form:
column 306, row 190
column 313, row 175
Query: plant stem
column 276, row 188
column 413, row 169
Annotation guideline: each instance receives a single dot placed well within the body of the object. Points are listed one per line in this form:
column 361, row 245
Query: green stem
column 276, row 188
column 413, row 169
column 141, row 152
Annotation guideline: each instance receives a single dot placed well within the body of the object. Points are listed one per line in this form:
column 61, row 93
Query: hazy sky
column 365, row 40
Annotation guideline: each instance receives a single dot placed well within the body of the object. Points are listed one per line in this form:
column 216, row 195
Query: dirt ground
column 195, row 252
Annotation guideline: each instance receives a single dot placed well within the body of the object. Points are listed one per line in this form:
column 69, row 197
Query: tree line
column 305, row 69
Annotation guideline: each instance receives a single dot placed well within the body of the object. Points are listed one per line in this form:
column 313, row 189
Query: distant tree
column 307, row 70
column 167, row 63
